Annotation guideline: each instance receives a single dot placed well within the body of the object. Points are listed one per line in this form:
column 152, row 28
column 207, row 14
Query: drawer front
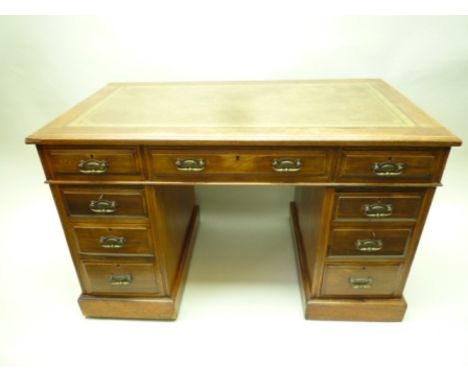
column 115, row 240
column 261, row 165
column 368, row 241
column 120, row 278
column 377, row 206
column 95, row 164
column 360, row 280
column 390, row 166
column 104, row 202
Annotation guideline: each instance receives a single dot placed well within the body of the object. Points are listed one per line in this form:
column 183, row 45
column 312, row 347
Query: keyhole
column 237, row 157
column 91, row 156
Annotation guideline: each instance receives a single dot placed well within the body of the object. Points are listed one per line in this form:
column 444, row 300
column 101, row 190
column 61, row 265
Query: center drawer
column 218, row 165
column 368, row 241
column 113, row 240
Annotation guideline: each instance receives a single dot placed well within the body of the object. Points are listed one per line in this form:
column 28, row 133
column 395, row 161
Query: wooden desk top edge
column 427, row 131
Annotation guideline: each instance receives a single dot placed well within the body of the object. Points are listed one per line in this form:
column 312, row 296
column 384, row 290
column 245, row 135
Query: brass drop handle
column 125, row 279
column 103, row 206
column 190, row 165
column 388, row 168
column 361, row 282
column 287, row 165
column 112, row 241
column 369, row 245
column 93, row 166
column 378, row 210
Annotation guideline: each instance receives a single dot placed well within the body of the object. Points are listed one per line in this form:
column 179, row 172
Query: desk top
column 324, row 112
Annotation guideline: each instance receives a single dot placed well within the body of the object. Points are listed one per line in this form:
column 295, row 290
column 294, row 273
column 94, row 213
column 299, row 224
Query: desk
column 364, row 160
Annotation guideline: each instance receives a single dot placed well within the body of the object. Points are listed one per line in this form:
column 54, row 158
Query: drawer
column 104, row 202
column 377, row 205
column 390, row 165
column 261, row 165
column 120, row 278
column 360, row 280
column 115, row 240
column 95, row 163
column 368, row 241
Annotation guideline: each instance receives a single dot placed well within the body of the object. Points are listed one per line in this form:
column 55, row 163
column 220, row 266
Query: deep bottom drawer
column 120, row 278
column 361, row 280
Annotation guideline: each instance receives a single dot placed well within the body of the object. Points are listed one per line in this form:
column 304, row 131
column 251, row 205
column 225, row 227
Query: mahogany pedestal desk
column 364, row 160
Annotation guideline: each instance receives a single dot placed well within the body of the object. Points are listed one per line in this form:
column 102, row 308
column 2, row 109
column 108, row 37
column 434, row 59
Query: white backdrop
column 241, row 315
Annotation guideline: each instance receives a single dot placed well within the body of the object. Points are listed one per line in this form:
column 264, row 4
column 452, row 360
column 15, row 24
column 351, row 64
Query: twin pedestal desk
column 364, row 160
